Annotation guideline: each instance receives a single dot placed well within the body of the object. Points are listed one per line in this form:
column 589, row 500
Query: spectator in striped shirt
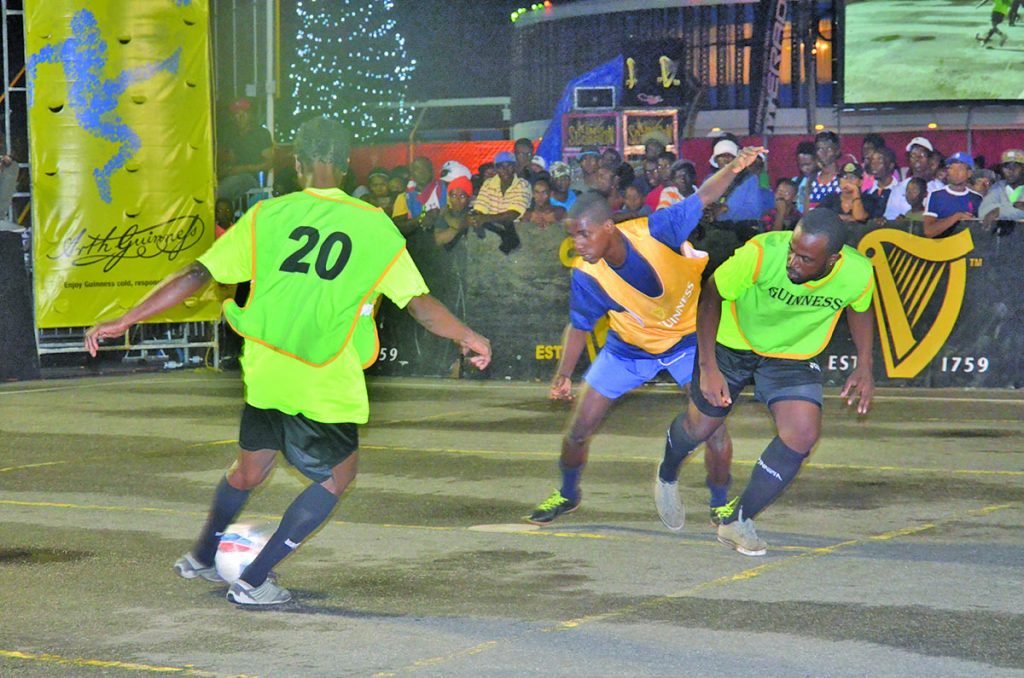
column 681, row 178
column 502, row 199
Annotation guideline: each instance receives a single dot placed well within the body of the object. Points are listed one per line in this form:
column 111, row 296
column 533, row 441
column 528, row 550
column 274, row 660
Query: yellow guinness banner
column 919, row 285
column 121, row 153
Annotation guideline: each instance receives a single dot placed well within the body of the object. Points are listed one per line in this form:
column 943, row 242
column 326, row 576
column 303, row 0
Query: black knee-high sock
column 227, row 504
column 309, row 510
column 775, row 470
column 678, row 446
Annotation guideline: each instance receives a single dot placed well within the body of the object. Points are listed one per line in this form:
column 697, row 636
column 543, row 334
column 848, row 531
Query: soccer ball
column 238, row 547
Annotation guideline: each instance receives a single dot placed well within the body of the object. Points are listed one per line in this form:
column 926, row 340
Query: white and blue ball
column 238, row 547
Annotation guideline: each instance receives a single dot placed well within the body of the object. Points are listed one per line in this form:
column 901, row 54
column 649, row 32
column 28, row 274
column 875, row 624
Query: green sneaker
column 551, row 508
column 741, row 536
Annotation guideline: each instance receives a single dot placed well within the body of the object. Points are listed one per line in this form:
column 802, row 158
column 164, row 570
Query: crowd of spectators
column 519, row 190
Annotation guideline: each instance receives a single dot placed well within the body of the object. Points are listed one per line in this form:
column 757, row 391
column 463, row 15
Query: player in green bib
column 316, row 260
column 762, row 318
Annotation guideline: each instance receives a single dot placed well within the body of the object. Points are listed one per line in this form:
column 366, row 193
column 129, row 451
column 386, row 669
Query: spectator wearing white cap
column 453, row 169
column 954, row 202
column 744, row 200
column 919, row 157
column 538, row 166
column 1005, row 200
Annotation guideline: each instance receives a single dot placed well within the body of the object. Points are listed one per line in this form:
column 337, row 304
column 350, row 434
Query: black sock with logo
column 678, row 446
column 773, row 472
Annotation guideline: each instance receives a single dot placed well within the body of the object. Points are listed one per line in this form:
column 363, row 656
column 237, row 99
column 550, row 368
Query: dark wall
column 521, row 303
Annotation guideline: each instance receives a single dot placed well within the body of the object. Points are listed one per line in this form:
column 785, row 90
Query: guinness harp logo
column 919, row 289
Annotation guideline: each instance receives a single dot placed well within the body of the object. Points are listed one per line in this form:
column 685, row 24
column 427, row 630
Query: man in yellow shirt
column 316, row 260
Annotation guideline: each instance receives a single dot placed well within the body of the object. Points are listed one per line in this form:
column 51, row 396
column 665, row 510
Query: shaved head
column 591, row 206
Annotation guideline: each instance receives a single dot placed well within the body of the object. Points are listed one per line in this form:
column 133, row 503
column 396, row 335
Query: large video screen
column 903, row 51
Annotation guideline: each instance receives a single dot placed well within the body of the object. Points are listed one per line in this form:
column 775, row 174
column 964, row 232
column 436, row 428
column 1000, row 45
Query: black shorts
column 312, row 447
column 774, row 379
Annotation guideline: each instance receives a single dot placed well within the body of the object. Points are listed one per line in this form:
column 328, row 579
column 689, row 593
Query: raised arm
column 716, row 186
column 180, row 286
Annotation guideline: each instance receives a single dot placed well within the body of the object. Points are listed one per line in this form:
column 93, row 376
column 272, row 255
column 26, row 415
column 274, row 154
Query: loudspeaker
column 18, row 359
column 584, row 98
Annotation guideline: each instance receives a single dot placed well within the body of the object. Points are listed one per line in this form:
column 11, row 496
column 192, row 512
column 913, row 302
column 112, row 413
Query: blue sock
column 570, row 482
column 719, row 493
column 678, row 446
column 309, row 510
column 773, row 472
column 227, row 504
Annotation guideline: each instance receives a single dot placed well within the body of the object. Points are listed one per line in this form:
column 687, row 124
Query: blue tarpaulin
column 607, row 74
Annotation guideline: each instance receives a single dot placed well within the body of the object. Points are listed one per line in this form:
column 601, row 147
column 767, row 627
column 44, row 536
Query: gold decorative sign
column 909, row 272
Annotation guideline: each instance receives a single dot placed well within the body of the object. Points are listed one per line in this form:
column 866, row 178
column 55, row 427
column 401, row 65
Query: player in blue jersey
column 646, row 278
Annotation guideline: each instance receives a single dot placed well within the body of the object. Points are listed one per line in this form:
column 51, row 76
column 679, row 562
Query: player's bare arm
column 437, row 319
column 709, row 314
column 860, row 385
column 573, row 342
column 180, row 286
column 715, row 187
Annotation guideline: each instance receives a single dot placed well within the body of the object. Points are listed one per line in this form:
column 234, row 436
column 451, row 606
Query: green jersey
column 765, row 312
column 322, row 379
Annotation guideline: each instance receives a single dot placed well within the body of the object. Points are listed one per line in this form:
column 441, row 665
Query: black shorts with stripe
column 312, row 447
column 774, row 379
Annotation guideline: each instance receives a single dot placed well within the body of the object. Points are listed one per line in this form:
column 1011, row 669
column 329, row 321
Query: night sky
column 462, row 48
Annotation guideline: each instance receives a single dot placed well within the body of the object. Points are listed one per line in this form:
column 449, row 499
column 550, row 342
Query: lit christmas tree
column 351, row 65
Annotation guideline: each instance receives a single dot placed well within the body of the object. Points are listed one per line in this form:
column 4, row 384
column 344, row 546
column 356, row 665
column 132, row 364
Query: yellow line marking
column 47, row 658
column 24, row 466
column 570, row 624
column 434, row 661
column 597, row 536
column 637, row 458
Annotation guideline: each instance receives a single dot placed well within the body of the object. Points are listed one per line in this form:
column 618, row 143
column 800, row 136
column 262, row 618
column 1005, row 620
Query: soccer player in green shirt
column 762, row 318
column 316, row 259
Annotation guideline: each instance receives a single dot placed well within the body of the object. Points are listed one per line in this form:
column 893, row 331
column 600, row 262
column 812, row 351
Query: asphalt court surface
column 898, row 551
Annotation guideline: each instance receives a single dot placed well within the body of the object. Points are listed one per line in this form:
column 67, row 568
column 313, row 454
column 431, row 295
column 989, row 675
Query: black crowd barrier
column 949, row 309
column 18, row 359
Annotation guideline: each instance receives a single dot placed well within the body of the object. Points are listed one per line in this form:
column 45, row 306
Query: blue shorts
column 613, row 376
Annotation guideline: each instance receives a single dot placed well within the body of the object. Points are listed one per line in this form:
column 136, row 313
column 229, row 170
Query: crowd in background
column 518, row 191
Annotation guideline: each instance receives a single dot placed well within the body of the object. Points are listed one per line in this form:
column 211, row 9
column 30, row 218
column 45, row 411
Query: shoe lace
column 723, row 512
column 554, row 501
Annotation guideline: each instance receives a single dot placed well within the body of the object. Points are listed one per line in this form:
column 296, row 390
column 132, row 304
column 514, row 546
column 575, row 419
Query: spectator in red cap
column 453, row 220
column 245, row 153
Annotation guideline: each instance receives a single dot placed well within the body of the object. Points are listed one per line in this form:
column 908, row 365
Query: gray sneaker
column 269, row 593
column 670, row 506
column 740, row 535
column 188, row 567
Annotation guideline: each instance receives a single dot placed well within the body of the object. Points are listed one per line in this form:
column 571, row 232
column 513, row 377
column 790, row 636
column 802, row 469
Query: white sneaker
column 188, row 567
column 269, row 593
column 741, row 535
column 670, row 506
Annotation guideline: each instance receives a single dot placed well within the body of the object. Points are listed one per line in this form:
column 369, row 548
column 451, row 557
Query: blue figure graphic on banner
column 92, row 99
